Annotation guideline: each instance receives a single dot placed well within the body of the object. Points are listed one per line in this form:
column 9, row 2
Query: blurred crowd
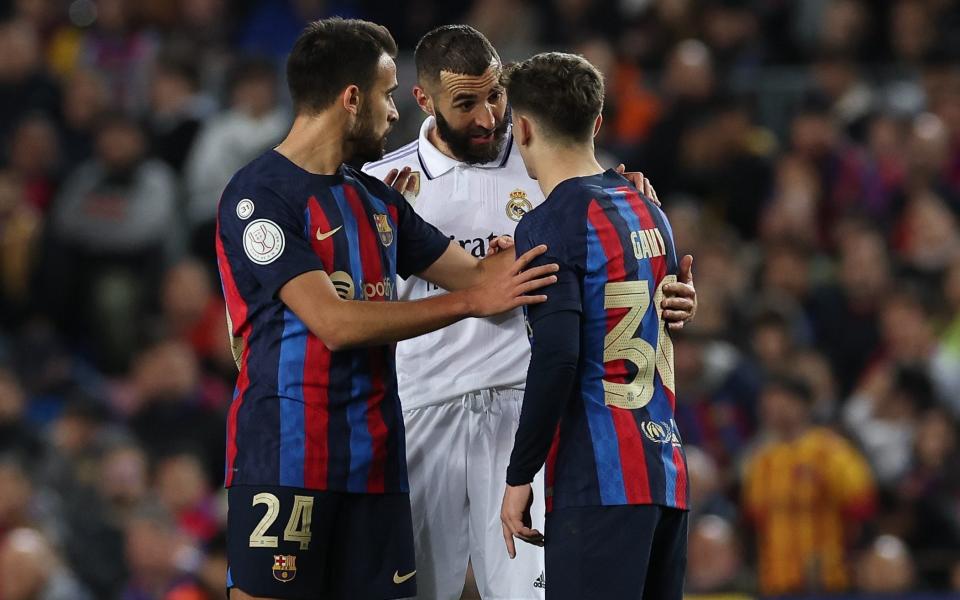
column 807, row 153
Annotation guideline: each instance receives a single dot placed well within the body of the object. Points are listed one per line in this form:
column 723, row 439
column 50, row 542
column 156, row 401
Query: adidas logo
column 541, row 582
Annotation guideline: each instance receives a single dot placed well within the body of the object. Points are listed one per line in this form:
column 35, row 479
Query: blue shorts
column 298, row 544
column 632, row 552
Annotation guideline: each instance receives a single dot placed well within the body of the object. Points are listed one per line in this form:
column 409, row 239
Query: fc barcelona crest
column 383, row 228
column 284, row 567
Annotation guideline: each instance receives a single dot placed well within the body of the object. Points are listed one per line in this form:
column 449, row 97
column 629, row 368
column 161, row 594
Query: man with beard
column 308, row 250
column 461, row 388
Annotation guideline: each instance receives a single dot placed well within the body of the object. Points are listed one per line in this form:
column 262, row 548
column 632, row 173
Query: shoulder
column 256, row 190
column 373, row 185
column 404, row 156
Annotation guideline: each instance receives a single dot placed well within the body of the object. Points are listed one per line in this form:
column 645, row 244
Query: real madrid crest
column 518, row 205
column 284, row 567
column 383, row 228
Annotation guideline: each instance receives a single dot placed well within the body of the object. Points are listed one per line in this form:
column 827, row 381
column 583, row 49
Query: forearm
column 550, row 380
column 356, row 323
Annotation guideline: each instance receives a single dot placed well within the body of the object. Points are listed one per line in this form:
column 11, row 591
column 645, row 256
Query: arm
column 550, row 378
column 346, row 323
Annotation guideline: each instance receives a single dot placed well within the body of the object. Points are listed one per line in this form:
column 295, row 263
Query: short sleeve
column 263, row 234
column 563, row 295
column 419, row 243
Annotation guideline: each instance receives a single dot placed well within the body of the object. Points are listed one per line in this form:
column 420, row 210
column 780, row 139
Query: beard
column 466, row 151
column 364, row 142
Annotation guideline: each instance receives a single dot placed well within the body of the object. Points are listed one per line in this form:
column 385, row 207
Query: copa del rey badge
column 284, row 567
column 383, row 228
column 263, row 241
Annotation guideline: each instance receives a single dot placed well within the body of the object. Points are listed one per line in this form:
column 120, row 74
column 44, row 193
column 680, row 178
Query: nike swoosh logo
column 323, row 236
column 398, row 579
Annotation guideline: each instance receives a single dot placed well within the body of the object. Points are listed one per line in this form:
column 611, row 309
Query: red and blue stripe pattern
column 303, row 416
column 628, row 467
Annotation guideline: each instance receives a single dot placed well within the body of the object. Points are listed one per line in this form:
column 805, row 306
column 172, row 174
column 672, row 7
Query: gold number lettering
column 621, row 344
column 257, row 538
column 298, row 527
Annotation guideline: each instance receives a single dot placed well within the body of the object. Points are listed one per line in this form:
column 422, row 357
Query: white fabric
column 457, row 455
column 468, row 203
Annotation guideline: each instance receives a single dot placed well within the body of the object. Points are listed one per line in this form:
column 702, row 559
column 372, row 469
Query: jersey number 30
column 621, row 343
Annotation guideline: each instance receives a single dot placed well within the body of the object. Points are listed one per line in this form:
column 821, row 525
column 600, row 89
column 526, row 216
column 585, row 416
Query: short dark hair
column 458, row 49
column 331, row 54
column 564, row 92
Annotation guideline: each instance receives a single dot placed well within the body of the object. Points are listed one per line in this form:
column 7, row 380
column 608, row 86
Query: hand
column 400, row 180
column 504, row 283
column 680, row 302
column 515, row 517
column 640, row 182
column 500, row 243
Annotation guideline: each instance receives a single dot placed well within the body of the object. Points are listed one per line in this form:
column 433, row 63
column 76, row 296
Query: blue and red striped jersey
column 303, row 416
column 617, row 441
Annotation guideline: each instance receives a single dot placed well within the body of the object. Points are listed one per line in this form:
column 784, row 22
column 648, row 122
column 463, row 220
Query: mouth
column 481, row 138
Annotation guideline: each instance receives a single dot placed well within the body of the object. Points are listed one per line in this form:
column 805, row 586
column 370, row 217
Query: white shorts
column 457, row 456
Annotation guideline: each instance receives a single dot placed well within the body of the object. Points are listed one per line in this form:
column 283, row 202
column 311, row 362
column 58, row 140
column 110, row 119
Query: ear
column 424, row 101
column 350, row 98
column 522, row 129
column 597, row 124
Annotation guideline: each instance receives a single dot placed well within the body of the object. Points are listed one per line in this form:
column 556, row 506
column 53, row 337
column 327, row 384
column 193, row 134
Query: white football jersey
column 472, row 204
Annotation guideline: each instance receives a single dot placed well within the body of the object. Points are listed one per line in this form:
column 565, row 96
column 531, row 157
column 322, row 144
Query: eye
column 466, row 106
column 495, row 96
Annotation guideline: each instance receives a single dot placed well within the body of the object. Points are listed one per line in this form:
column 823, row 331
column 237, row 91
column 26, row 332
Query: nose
column 485, row 118
column 393, row 114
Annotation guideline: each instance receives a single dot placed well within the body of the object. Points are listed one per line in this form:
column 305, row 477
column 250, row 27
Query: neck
column 567, row 163
column 433, row 135
column 313, row 144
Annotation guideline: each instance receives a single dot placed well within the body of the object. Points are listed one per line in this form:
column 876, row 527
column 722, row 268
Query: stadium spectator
column 806, row 492
column 254, row 122
column 115, row 224
column 30, row 569
column 885, row 567
column 715, row 561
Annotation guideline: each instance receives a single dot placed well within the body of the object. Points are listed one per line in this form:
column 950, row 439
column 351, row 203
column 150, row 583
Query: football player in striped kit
column 461, row 388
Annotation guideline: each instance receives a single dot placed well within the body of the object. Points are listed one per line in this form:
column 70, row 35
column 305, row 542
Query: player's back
column 617, row 442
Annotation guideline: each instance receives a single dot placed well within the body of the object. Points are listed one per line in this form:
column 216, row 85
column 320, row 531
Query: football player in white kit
column 461, row 387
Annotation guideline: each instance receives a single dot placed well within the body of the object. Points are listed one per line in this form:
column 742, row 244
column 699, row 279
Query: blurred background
column 808, row 155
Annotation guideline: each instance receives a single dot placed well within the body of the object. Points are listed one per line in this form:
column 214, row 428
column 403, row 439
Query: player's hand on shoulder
column 515, row 517
column 400, row 180
column 506, row 282
column 640, row 182
column 680, row 298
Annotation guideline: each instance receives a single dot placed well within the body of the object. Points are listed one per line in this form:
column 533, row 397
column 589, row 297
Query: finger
column 527, row 300
column 677, row 304
column 536, row 284
column 508, row 539
column 524, row 259
column 686, row 269
column 676, row 315
column 528, row 533
column 391, row 177
column 621, row 169
column 535, row 272
column 403, row 180
column 647, row 190
column 676, row 325
column 679, row 290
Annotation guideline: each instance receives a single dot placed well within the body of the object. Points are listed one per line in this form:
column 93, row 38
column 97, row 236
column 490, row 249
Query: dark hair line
column 332, row 54
column 563, row 92
column 455, row 48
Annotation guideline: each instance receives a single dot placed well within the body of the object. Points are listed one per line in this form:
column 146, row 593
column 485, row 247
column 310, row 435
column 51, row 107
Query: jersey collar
column 436, row 163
